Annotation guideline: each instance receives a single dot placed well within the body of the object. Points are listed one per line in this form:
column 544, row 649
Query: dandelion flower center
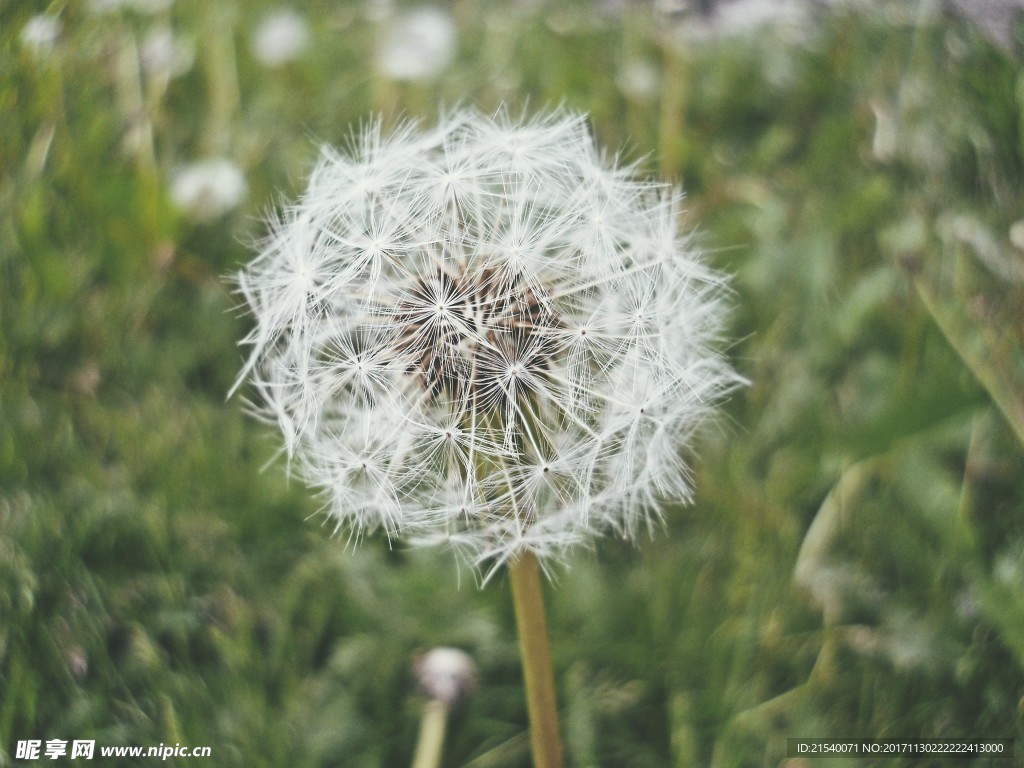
column 485, row 335
column 463, row 331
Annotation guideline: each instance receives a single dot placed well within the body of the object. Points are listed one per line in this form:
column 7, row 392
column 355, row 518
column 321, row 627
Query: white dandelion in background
column 639, row 80
column 151, row 7
column 209, row 188
column 164, row 54
column 485, row 335
column 446, row 676
column 280, row 38
column 40, row 33
column 418, row 44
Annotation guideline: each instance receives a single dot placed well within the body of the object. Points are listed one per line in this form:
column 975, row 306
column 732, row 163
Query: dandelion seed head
column 485, row 335
column 281, row 37
column 164, row 54
column 446, row 674
column 208, row 189
column 40, row 33
column 419, row 44
column 151, row 7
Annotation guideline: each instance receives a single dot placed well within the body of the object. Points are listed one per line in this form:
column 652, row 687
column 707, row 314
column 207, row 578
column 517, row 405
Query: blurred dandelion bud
column 444, row 674
column 151, row 7
column 209, row 188
column 639, row 80
column 166, row 55
column 280, row 38
column 418, row 45
column 487, row 336
column 40, row 34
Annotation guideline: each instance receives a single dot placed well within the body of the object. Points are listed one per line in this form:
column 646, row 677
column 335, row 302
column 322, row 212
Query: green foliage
column 853, row 566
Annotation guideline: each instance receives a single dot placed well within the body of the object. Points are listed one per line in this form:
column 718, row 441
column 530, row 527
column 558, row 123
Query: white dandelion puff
column 151, row 7
column 40, row 34
column 209, row 188
column 486, row 335
column 280, row 38
column 165, row 54
column 419, row 44
column 639, row 80
column 446, row 674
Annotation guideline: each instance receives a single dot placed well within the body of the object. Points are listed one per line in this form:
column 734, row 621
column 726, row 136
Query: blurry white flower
column 485, row 335
column 737, row 18
column 748, row 16
column 40, row 33
column 446, row 674
column 417, row 45
column 165, row 54
column 281, row 37
column 209, row 188
column 638, row 80
column 143, row 6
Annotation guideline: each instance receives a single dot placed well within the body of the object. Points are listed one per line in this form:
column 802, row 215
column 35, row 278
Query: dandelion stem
column 222, row 81
column 431, row 738
column 528, row 598
column 672, row 123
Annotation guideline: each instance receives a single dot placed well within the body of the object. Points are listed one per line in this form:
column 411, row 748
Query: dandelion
column 486, row 335
column 151, row 7
column 209, row 188
column 280, row 38
column 446, row 676
column 166, row 55
column 419, row 45
column 638, row 80
column 40, row 33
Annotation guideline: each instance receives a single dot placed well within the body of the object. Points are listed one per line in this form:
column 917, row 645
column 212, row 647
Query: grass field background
column 854, row 563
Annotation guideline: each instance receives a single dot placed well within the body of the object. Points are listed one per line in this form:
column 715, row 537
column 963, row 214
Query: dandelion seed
column 40, row 34
column 419, row 45
column 280, row 38
column 209, row 188
column 486, row 335
column 638, row 80
column 151, row 7
column 165, row 54
column 445, row 674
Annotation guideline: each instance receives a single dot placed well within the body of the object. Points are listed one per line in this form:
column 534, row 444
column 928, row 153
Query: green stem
column 672, row 121
column 222, row 81
column 528, row 599
column 431, row 739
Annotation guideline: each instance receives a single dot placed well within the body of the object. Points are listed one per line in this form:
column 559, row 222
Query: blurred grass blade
column 980, row 353
column 828, row 523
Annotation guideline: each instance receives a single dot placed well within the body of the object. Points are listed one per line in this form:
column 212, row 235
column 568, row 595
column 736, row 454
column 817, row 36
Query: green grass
column 157, row 587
